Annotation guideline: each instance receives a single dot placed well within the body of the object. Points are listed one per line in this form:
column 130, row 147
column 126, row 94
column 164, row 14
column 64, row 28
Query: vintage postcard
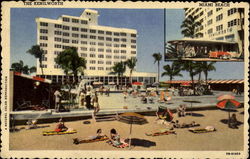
column 124, row 79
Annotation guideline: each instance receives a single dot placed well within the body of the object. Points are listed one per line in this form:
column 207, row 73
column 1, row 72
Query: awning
column 36, row 78
column 97, row 83
column 137, row 83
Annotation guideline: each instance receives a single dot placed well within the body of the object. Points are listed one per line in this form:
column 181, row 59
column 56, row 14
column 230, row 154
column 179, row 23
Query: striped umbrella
column 225, row 96
column 131, row 118
column 228, row 105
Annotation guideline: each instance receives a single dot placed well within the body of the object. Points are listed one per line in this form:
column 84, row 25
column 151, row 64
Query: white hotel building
column 219, row 23
column 101, row 46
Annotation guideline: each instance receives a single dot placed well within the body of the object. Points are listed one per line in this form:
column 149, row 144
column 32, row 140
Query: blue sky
column 148, row 22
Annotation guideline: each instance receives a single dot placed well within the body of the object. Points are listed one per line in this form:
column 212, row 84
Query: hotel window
column 100, row 32
column 219, row 27
column 58, row 26
column 232, row 23
column 133, row 35
column 84, row 30
column 57, row 52
column 209, row 22
column 43, row 38
column 57, row 66
column 210, row 13
column 123, row 57
column 92, row 31
column 133, row 52
column 219, row 17
column 100, row 50
column 45, row 51
column 65, row 47
column 108, row 50
column 108, row 62
column 92, row 61
column 65, row 40
column 201, row 13
column 218, row 9
column 92, row 49
column 43, row 24
column 124, row 40
column 58, row 39
column 75, row 41
column 84, row 22
column 84, row 36
column 92, row 68
column 75, row 29
column 100, row 68
column 231, row 11
column 108, row 44
column 44, row 66
column 108, row 56
column 133, row 41
column 92, row 37
column 65, row 27
column 123, row 45
column 92, row 43
column 100, row 56
column 108, row 33
column 108, row 68
column 58, row 33
column 45, row 31
column 100, row 38
column 65, row 34
column 210, row 31
column 116, row 39
column 116, row 34
column 66, row 19
column 123, row 34
column 75, row 21
column 108, row 39
column 123, row 51
column 84, row 42
column 116, row 51
column 133, row 46
column 75, row 35
column 100, row 44
column 92, row 55
column 43, row 44
column 84, row 48
column 58, row 46
column 83, row 55
column 116, row 45
column 100, row 62
column 116, row 57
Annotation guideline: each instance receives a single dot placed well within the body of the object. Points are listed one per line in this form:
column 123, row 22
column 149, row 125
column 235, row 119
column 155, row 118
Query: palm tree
column 131, row 63
column 38, row 53
column 241, row 31
column 189, row 26
column 206, row 67
column 172, row 71
column 119, row 69
column 71, row 63
column 190, row 67
column 157, row 57
column 20, row 67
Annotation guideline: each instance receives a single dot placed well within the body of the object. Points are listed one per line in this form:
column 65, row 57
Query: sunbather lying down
column 184, row 125
column 202, row 130
column 161, row 132
column 98, row 137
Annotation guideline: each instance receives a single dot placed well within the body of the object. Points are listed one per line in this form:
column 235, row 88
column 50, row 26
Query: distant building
column 101, row 46
column 226, row 24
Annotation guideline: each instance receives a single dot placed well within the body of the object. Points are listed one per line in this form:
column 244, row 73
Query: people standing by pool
column 88, row 98
column 58, row 96
column 82, row 97
column 95, row 103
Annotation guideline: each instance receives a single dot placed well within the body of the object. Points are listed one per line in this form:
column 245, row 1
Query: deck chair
column 22, row 104
column 164, row 113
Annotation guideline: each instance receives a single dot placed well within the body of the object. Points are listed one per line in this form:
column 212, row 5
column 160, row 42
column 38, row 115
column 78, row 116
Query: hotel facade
column 101, row 46
column 226, row 24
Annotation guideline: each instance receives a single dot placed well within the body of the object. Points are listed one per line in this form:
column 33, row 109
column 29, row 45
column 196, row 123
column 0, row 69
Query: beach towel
column 161, row 132
column 123, row 145
column 77, row 141
column 202, row 130
column 188, row 125
column 53, row 132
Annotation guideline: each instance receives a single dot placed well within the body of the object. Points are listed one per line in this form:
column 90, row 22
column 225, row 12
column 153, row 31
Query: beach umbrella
column 131, row 118
column 225, row 96
column 228, row 105
column 156, row 84
column 186, row 84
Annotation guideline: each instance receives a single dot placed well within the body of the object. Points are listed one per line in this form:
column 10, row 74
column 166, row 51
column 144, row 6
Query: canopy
column 137, row 83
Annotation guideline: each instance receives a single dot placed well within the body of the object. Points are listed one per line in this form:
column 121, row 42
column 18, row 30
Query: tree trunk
column 130, row 78
column 40, row 61
column 158, row 71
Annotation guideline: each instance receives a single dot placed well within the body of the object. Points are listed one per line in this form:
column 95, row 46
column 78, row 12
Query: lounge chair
column 202, row 130
column 123, row 144
column 165, row 114
column 53, row 132
column 77, row 141
column 162, row 132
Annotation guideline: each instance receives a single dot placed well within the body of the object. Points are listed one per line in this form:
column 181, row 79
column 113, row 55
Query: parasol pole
column 228, row 118
column 130, row 133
